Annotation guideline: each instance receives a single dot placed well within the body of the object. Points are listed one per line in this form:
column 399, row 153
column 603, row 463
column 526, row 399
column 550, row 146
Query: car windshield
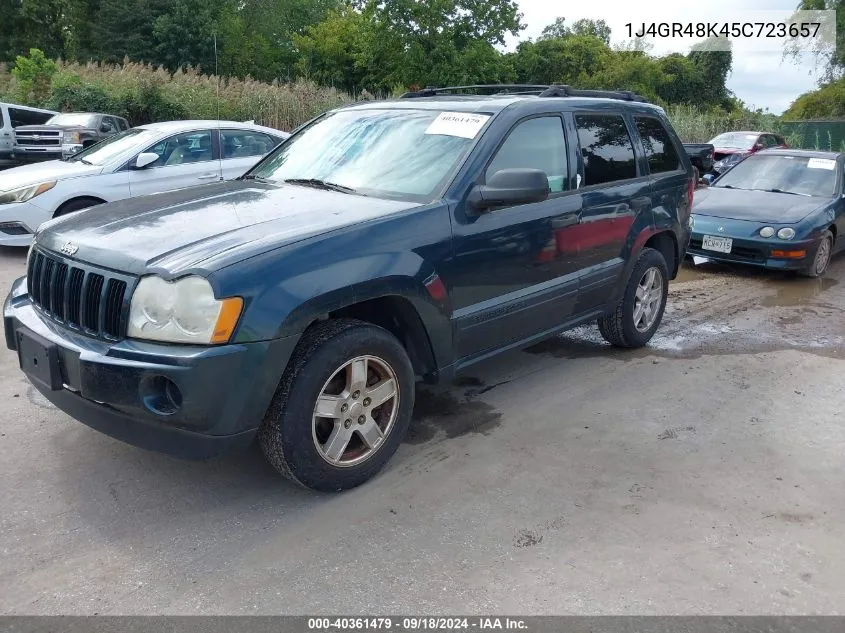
column 735, row 140
column 802, row 175
column 404, row 154
column 82, row 120
column 107, row 150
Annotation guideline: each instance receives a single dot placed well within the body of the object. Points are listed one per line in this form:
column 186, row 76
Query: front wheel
column 342, row 407
column 822, row 257
column 639, row 312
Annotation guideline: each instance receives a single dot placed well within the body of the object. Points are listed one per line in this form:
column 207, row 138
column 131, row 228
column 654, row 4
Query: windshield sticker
column 461, row 124
column 821, row 163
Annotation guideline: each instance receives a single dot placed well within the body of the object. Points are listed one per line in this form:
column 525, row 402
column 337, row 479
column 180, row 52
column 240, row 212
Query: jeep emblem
column 69, row 248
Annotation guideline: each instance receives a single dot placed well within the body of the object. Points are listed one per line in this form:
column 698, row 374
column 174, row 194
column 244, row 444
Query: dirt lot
column 701, row 475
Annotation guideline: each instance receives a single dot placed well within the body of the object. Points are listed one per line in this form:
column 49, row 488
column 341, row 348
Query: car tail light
column 690, row 191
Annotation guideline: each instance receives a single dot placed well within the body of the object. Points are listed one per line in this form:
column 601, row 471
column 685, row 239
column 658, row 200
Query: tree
column 713, row 66
column 33, row 75
column 555, row 30
column 596, row 28
column 568, row 60
column 185, row 34
column 125, row 28
column 834, row 59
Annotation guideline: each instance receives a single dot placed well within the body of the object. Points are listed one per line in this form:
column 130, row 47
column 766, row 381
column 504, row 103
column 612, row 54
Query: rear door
column 185, row 160
column 241, row 149
column 616, row 195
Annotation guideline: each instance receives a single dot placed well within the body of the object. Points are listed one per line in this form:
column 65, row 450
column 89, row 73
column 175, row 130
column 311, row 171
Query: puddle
column 440, row 412
column 797, row 291
column 704, row 268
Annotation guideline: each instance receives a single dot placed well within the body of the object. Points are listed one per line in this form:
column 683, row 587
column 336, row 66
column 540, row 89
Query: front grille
column 90, row 300
column 39, row 139
column 738, row 252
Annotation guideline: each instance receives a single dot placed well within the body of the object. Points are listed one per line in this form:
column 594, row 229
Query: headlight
column 25, row 193
column 786, row 233
column 181, row 311
column 767, row 231
column 72, row 137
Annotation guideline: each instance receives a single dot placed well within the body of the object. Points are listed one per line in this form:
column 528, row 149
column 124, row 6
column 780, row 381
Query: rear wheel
column 342, row 407
column 639, row 312
column 821, row 259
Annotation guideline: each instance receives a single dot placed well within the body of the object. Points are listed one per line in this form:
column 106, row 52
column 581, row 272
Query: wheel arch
column 62, row 208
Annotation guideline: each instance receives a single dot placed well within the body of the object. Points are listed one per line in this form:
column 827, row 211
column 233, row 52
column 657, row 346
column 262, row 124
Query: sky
column 761, row 78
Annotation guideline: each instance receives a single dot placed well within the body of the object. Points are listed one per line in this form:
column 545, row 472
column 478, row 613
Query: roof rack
column 555, row 90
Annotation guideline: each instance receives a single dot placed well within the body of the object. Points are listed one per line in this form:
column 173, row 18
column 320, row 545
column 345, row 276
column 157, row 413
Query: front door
column 184, row 160
column 513, row 274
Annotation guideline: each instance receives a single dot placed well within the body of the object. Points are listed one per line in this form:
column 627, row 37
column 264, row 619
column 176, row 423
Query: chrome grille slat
column 78, row 295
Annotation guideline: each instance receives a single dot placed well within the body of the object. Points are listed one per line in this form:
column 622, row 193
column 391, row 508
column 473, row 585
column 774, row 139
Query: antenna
column 217, row 76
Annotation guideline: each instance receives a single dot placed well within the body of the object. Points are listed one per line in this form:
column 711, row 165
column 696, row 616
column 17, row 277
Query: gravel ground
column 700, row 475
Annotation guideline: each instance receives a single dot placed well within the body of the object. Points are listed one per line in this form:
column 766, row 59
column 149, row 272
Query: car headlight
column 767, row 231
column 22, row 194
column 72, row 138
column 181, row 311
column 786, row 233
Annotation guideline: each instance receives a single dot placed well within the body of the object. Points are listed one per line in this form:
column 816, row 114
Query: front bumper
column 19, row 221
column 126, row 389
column 37, row 154
column 756, row 251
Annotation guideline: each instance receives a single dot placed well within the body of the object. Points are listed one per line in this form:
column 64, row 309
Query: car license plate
column 718, row 244
column 39, row 359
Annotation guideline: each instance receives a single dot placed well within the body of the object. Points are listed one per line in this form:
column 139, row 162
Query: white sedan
column 143, row 160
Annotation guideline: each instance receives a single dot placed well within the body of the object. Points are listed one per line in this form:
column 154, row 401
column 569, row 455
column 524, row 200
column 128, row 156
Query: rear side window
column 535, row 144
column 244, row 143
column 2, row 122
column 27, row 117
column 659, row 148
column 606, row 148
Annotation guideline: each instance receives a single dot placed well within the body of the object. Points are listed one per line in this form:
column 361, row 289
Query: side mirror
column 759, row 146
column 145, row 159
column 707, row 179
column 509, row 187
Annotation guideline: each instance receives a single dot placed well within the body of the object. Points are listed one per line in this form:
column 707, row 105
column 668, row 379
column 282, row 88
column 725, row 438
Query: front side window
column 535, row 144
column 245, row 143
column 183, row 149
column 107, row 126
column 659, row 148
column 606, row 148
column 402, row 153
column 114, row 146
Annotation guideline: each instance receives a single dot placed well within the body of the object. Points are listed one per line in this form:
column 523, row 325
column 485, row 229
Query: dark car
column 745, row 143
column 382, row 242
column 701, row 156
column 780, row 209
column 64, row 135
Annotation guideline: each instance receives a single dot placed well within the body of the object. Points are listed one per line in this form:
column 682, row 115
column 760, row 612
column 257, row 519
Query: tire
column 821, row 258
column 299, row 443
column 77, row 204
column 618, row 327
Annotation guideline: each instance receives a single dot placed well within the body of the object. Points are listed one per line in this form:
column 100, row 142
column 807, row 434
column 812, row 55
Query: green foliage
column 834, row 61
column 825, row 103
column 32, row 76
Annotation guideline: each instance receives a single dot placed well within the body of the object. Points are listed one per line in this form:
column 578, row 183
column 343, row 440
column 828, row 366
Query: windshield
column 107, row 150
column 735, row 140
column 82, row 120
column 789, row 174
column 403, row 154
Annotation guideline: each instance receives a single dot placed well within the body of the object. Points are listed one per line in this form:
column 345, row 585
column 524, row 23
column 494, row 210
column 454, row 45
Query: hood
column 49, row 170
column 174, row 232
column 755, row 206
column 49, row 128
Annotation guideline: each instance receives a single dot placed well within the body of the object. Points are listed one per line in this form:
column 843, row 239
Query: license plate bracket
column 717, row 243
column 39, row 359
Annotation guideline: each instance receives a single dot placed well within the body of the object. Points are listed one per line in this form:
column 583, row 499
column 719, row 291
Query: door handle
column 207, row 176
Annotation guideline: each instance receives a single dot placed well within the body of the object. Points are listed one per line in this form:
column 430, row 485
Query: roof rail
column 493, row 89
column 567, row 91
column 540, row 90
